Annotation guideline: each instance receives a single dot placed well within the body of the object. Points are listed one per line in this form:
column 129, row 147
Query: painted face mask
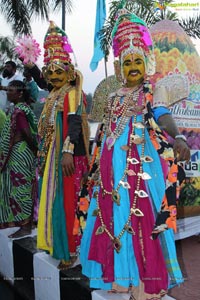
column 133, row 68
column 58, row 68
column 130, row 36
column 57, row 76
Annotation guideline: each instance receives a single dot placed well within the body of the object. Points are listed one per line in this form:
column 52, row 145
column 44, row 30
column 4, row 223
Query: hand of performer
column 28, row 65
column 67, row 164
column 181, row 150
column 180, row 147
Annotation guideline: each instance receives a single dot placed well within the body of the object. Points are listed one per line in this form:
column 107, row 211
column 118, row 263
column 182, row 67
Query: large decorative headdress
column 57, row 50
column 131, row 35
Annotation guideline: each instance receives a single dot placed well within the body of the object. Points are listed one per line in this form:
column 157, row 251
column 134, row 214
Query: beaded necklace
column 138, row 193
column 119, row 112
column 46, row 126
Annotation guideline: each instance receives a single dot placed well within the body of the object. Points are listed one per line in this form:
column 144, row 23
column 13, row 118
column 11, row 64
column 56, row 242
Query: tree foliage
column 191, row 26
column 19, row 13
column 7, row 52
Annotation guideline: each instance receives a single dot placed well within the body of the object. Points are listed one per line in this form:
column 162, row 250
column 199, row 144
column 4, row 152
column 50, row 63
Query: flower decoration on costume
column 28, row 49
column 15, row 207
column 17, row 179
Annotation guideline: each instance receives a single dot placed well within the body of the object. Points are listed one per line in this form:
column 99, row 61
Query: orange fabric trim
column 172, row 175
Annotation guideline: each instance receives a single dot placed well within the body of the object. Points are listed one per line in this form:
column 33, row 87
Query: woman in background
column 2, row 119
column 18, row 150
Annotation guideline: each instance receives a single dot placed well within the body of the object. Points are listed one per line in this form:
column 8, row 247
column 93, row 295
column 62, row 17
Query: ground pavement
column 71, row 284
column 188, row 251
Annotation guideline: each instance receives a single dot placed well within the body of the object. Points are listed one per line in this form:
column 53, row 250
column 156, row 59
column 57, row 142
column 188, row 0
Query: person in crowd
column 63, row 150
column 9, row 74
column 18, row 150
column 128, row 241
column 31, row 85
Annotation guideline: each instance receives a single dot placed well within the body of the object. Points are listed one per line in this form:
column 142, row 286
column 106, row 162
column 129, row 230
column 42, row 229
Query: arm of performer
column 164, row 118
column 74, row 132
column 38, row 77
column 180, row 147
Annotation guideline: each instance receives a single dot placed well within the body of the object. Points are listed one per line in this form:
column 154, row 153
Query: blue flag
column 100, row 19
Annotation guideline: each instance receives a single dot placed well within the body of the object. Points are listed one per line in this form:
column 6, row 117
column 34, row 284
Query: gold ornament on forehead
column 50, row 51
column 53, row 67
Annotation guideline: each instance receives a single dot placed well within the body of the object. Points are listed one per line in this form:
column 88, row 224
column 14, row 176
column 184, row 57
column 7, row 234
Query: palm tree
column 19, row 16
column 7, row 46
column 20, row 13
column 146, row 11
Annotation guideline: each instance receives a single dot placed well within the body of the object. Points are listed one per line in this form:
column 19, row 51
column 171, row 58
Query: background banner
column 176, row 54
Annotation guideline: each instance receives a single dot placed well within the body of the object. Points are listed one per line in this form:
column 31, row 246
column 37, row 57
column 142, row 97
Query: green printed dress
column 17, row 169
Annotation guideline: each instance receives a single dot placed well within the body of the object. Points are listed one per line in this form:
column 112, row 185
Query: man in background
column 9, row 73
column 31, row 85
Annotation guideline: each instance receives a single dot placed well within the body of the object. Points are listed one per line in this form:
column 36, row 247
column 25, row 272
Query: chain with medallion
column 46, row 126
column 132, row 109
column 119, row 114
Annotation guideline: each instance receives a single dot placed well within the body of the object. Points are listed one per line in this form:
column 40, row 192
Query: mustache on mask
column 55, row 80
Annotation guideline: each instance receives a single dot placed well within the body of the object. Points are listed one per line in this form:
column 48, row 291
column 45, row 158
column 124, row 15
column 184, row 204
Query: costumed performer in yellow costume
column 63, row 150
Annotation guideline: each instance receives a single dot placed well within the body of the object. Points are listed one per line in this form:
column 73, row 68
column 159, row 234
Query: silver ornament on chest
column 110, row 141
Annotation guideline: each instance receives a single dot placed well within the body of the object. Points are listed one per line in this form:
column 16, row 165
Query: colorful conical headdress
column 57, row 48
column 131, row 35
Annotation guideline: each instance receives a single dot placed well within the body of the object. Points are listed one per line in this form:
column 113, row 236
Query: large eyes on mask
column 58, row 72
